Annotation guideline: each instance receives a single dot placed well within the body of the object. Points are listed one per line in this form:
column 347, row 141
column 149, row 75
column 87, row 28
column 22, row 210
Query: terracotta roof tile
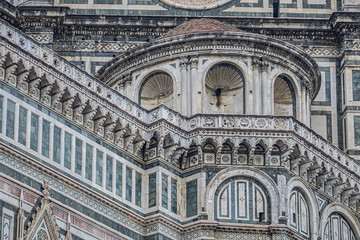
column 199, row 26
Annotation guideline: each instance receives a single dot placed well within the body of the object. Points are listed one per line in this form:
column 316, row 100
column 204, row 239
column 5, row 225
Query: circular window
column 42, row 235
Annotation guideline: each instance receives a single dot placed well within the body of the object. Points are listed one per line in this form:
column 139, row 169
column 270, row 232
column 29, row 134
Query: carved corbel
column 295, row 163
column 313, row 173
column 22, row 81
column 99, row 125
column 321, row 179
column 10, row 76
column 285, row 158
column 34, row 90
column 78, row 113
column 109, row 131
column 119, row 137
column 67, row 107
column 175, row 158
column 45, row 94
column 128, row 141
column 169, row 151
column 353, row 200
column 346, row 193
column 88, row 119
column 138, row 146
column 338, row 189
column 329, row 184
column 304, row 167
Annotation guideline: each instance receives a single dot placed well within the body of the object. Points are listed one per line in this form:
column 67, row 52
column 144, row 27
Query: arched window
column 284, row 97
column 157, row 89
column 337, row 228
column 224, row 89
column 299, row 213
column 243, row 152
column 242, row 200
column 209, row 153
column 226, row 153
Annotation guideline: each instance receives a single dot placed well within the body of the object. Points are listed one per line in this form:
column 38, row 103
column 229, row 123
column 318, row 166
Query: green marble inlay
column 45, row 138
column 78, row 156
column 57, row 144
column 119, row 181
column 173, row 195
column 164, row 194
column 327, row 101
column 89, row 162
column 357, row 130
column 99, row 167
column 152, row 190
column 327, row 5
column 138, row 189
column 118, row 2
column 191, row 198
column 1, row 112
column 22, row 125
column 128, row 188
column 356, row 84
column 10, row 119
column 328, row 122
column 109, row 175
column 34, row 132
column 67, row 150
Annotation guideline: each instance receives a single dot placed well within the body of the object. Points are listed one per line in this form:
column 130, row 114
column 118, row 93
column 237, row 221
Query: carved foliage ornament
column 198, row 4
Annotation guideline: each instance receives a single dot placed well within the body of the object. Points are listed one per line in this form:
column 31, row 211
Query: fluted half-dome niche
column 284, row 97
column 224, row 85
column 157, row 89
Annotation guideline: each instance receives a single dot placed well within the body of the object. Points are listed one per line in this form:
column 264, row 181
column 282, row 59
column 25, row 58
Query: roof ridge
column 200, row 25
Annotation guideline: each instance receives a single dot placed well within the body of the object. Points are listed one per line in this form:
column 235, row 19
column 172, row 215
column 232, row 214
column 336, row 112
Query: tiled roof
column 199, row 26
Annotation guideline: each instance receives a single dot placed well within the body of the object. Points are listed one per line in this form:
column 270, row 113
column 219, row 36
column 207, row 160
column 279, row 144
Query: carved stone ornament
column 43, row 214
column 198, row 4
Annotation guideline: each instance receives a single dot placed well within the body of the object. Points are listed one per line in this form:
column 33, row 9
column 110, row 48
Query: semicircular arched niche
column 284, row 97
column 157, row 89
column 224, row 84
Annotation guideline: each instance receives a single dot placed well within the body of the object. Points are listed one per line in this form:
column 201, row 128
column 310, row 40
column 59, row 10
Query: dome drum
column 217, row 72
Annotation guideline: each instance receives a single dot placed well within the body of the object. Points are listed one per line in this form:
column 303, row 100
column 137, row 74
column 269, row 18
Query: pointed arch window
column 337, row 228
column 242, row 200
column 299, row 213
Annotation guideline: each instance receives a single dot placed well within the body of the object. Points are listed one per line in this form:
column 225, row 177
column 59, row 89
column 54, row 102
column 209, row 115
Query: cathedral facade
column 179, row 119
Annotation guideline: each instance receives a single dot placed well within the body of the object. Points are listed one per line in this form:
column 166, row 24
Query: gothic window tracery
column 299, row 213
column 284, row 97
column 157, row 89
column 337, row 228
column 224, row 86
column 242, row 200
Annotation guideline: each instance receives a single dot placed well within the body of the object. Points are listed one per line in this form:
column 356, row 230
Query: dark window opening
column 276, row 8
